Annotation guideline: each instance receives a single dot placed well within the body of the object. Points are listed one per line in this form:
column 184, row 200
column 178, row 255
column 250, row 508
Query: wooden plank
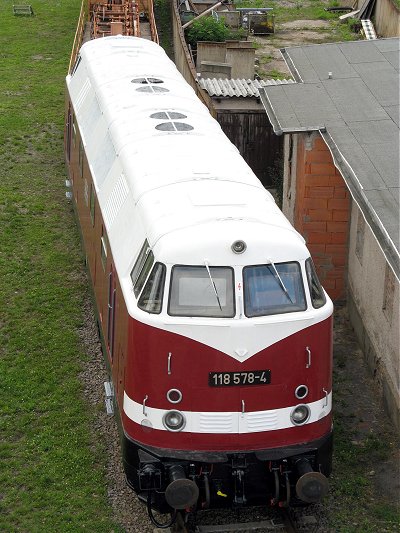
column 349, row 15
column 23, row 10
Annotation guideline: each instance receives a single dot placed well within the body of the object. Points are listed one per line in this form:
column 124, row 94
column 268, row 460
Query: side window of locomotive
column 152, row 295
column 141, row 268
column 80, row 158
column 316, row 291
column 198, row 291
column 77, row 63
column 92, row 204
column 273, row 289
column 104, row 248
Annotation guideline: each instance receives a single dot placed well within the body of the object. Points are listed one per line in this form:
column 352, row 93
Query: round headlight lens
column 174, row 420
column 300, row 415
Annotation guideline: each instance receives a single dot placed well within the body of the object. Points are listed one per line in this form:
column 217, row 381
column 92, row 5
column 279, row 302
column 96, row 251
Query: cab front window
column 272, row 289
column 202, row 291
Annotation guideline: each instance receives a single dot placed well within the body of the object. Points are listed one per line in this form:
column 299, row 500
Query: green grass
column 52, row 474
column 353, row 503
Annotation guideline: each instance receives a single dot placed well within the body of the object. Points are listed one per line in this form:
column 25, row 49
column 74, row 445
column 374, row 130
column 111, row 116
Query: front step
column 109, row 400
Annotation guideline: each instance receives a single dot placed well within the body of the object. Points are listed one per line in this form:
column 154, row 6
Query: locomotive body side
column 217, row 332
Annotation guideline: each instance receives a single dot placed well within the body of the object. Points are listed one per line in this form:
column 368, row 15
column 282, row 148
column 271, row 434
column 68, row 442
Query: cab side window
column 152, row 295
column 141, row 268
column 316, row 291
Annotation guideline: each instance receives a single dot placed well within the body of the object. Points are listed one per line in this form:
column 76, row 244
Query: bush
column 207, row 29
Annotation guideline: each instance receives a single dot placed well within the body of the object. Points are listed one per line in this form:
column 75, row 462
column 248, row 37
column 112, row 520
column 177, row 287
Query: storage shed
column 341, row 183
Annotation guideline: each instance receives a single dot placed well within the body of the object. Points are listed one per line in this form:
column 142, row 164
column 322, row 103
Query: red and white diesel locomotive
column 217, row 331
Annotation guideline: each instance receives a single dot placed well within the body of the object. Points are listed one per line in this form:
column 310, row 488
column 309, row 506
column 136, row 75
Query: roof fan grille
column 174, row 126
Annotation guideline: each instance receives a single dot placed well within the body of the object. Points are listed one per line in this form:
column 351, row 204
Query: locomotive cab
column 242, row 357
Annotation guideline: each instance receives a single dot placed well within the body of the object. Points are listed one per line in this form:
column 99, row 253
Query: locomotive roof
column 160, row 162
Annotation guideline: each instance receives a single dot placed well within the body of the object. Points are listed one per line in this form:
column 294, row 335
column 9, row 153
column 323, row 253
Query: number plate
column 230, row 379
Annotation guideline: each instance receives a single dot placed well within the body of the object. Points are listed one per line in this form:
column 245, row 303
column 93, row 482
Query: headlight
column 300, row 415
column 174, row 420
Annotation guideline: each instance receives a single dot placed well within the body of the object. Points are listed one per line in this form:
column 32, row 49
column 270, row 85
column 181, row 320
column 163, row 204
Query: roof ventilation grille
column 171, row 125
column 149, row 85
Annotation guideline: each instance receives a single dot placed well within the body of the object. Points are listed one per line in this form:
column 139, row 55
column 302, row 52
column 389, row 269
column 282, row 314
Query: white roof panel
column 158, row 157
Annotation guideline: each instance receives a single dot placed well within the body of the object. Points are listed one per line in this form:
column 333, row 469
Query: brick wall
column 322, row 212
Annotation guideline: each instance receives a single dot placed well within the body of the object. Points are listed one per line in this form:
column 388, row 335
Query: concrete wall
column 210, row 51
column 183, row 59
column 209, row 69
column 316, row 200
column 349, row 261
column 239, row 54
column 242, row 61
column 373, row 302
column 386, row 18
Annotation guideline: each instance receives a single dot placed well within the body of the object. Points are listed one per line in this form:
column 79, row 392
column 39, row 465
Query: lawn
column 52, row 471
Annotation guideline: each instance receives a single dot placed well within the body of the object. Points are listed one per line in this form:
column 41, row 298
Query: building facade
column 341, row 185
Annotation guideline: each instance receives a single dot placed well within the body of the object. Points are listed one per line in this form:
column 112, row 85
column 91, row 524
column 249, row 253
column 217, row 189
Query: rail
column 281, row 520
column 147, row 7
column 80, row 29
column 124, row 16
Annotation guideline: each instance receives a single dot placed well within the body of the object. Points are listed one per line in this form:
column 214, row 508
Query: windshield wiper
column 213, row 285
column 280, row 280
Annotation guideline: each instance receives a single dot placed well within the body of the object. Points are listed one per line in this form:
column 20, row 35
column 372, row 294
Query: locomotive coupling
column 311, row 486
column 181, row 493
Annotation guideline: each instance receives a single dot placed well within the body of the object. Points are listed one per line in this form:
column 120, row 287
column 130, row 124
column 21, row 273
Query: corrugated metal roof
column 238, row 87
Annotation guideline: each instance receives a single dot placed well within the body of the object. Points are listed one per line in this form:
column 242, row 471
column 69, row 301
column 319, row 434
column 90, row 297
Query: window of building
column 202, row 292
column 360, row 237
column 272, row 289
column 388, row 293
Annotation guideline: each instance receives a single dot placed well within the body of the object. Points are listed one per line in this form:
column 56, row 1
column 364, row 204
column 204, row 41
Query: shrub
column 207, row 29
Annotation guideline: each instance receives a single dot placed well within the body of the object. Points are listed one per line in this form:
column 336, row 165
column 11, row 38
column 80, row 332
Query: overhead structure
column 104, row 18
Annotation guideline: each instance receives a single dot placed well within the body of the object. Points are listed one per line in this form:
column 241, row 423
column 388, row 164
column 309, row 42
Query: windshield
column 201, row 291
column 272, row 289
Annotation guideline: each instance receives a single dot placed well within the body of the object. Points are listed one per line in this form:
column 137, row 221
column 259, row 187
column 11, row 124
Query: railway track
column 283, row 522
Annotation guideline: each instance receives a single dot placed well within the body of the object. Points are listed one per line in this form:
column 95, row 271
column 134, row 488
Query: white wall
column 377, row 328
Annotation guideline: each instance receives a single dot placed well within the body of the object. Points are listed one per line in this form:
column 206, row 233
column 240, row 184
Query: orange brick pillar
column 322, row 212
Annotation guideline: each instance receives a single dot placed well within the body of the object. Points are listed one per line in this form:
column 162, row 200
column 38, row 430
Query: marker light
column 238, row 247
